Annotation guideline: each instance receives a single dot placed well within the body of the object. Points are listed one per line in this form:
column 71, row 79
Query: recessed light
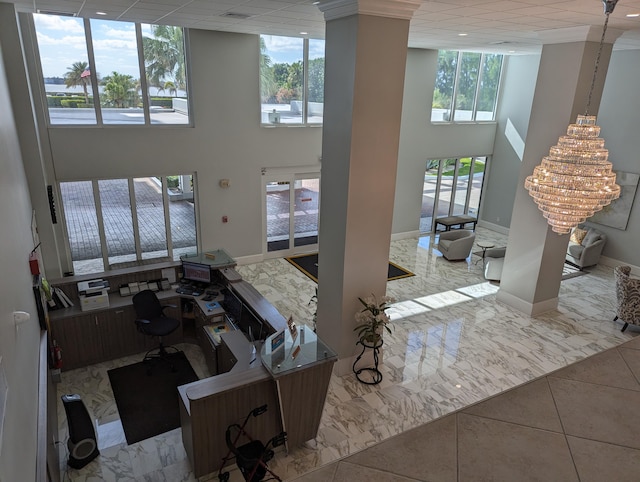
column 315, row 3
column 458, row 385
column 304, row 33
column 632, row 15
column 462, row 34
column 101, row 13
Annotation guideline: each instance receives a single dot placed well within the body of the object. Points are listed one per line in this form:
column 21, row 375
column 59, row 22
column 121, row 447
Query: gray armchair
column 588, row 251
column 456, row 244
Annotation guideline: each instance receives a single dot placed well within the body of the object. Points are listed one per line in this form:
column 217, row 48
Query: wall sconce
column 225, row 183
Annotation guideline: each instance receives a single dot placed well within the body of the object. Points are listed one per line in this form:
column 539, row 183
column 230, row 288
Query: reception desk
column 292, row 380
column 294, row 388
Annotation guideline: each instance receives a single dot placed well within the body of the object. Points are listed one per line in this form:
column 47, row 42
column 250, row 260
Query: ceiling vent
column 237, row 16
column 59, row 14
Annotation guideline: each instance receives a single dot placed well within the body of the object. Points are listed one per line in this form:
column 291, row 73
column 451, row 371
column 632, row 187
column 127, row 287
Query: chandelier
column 575, row 180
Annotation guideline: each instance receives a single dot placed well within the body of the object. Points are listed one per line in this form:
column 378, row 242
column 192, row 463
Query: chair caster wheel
column 223, row 477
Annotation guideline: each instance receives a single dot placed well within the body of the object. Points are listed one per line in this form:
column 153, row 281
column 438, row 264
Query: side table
column 376, row 375
column 484, row 245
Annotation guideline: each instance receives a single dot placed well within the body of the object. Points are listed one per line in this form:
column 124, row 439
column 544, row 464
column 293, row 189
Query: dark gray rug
column 148, row 404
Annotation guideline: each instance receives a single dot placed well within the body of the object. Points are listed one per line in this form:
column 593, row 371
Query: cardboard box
column 94, row 301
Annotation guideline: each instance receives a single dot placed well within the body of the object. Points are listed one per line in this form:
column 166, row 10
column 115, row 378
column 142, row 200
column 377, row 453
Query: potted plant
column 373, row 320
column 314, row 301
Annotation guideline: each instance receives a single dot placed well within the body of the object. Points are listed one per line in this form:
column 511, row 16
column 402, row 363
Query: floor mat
column 148, row 404
column 308, row 264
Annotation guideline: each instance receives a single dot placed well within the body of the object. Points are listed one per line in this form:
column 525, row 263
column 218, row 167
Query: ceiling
column 501, row 26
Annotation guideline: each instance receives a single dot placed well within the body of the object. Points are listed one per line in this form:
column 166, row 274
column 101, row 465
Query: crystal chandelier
column 575, row 180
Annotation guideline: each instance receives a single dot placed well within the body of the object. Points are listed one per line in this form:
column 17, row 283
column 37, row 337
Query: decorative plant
column 373, row 319
column 314, row 301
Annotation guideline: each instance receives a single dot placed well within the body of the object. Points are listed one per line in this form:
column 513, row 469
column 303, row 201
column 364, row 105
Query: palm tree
column 164, row 56
column 120, row 90
column 267, row 83
column 78, row 74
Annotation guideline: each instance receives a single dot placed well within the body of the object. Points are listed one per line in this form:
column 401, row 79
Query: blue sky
column 61, row 42
column 289, row 49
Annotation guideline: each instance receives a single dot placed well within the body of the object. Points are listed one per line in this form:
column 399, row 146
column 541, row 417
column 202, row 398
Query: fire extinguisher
column 57, row 355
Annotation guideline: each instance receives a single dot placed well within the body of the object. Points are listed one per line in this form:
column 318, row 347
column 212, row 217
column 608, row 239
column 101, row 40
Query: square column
column 535, row 254
column 364, row 81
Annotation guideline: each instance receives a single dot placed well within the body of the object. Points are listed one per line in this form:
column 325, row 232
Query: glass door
column 291, row 207
column 451, row 187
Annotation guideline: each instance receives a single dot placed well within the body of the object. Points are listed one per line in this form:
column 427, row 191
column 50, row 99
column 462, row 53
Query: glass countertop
column 283, row 351
column 216, row 259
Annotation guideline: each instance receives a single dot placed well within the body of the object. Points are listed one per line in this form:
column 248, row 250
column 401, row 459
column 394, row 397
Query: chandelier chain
column 609, row 6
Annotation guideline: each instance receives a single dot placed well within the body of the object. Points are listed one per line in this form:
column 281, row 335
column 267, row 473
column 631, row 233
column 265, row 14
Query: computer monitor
column 196, row 272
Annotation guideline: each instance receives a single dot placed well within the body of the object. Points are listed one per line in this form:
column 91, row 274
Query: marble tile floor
column 452, row 346
column 578, row 423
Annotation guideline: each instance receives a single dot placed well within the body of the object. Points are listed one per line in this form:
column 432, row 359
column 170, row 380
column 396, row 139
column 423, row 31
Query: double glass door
column 291, row 213
column 451, row 187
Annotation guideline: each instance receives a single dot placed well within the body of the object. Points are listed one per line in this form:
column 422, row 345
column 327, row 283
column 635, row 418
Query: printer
column 94, row 294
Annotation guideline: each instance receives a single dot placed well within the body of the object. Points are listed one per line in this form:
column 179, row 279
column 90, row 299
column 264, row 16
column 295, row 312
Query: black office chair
column 251, row 457
column 152, row 321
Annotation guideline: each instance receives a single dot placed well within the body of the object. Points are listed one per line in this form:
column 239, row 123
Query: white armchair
column 456, row 244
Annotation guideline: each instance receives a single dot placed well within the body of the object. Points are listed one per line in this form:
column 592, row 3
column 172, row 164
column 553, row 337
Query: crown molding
column 402, row 9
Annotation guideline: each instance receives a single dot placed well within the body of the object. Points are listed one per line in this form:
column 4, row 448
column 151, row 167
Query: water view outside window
column 291, row 80
column 65, row 69
column 120, row 98
column 472, row 79
column 84, row 60
column 124, row 221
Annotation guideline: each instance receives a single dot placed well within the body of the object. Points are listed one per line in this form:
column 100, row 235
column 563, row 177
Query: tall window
column 451, row 187
column 114, row 223
column 291, row 80
column 106, row 72
column 469, row 79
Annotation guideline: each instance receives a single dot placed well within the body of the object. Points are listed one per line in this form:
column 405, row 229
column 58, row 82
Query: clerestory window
column 98, row 72
column 466, row 87
column 291, row 80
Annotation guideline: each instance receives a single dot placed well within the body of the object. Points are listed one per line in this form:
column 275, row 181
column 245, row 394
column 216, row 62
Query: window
column 472, row 79
column 291, row 80
column 451, row 187
column 114, row 223
column 92, row 71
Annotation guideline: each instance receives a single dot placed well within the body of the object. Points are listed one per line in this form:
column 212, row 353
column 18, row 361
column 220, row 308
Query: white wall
column 619, row 117
column 226, row 141
column 420, row 140
column 514, row 108
column 18, row 348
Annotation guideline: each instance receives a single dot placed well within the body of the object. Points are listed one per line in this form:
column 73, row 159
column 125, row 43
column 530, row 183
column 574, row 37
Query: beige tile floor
column 453, row 347
column 576, row 424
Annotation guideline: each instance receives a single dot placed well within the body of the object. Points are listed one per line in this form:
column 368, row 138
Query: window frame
column 474, row 111
column 305, row 90
column 140, row 252
column 145, row 95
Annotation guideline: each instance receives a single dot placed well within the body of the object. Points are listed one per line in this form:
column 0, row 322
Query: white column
column 365, row 57
column 535, row 255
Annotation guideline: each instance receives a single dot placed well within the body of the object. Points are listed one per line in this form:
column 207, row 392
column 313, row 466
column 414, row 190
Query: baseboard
column 254, row 258
column 531, row 309
column 406, row 235
column 494, row 227
column 612, row 263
